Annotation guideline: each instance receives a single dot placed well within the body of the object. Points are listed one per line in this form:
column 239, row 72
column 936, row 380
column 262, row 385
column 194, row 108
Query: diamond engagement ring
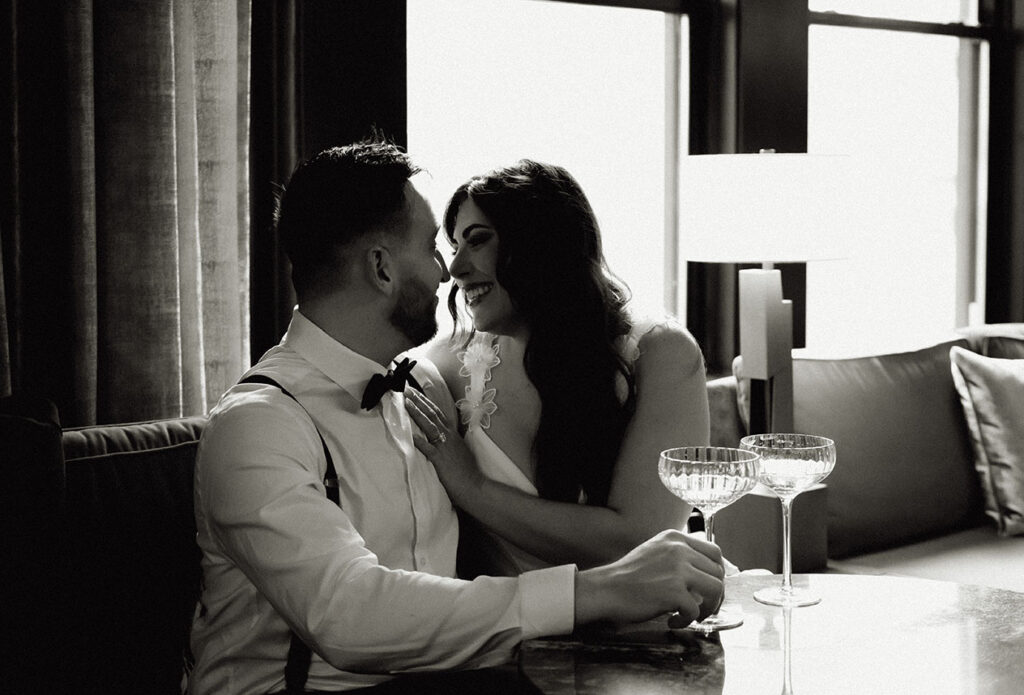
column 441, row 438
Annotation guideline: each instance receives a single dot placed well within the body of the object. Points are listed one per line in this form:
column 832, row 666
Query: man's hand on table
column 672, row 571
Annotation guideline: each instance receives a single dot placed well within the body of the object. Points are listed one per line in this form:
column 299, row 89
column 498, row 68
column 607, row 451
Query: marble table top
column 870, row 634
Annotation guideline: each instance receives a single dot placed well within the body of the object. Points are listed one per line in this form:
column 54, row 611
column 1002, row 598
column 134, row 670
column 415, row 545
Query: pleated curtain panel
column 125, row 230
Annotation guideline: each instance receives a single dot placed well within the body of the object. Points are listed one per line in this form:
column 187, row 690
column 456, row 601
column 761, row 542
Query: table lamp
column 765, row 208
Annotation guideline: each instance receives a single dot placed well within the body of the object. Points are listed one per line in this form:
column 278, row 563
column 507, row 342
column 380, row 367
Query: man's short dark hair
column 335, row 198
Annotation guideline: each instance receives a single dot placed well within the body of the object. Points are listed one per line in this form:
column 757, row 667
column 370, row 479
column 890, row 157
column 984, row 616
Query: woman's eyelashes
column 474, row 240
column 477, row 238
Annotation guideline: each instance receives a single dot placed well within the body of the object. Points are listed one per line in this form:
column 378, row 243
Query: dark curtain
column 124, row 204
column 324, row 73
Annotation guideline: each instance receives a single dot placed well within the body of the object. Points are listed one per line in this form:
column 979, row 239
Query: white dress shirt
column 369, row 586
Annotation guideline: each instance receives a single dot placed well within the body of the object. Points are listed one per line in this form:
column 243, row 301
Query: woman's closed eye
column 478, row 238
column 472, row 241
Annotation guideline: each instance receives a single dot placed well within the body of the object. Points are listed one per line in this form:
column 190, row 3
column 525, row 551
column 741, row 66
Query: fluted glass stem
column 709, row 531
column 787, row 558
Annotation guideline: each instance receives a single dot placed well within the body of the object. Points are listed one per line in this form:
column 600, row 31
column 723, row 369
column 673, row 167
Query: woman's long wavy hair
column 551, row 264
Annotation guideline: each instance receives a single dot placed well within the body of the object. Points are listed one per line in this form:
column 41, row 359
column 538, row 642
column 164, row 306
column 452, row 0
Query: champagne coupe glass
column 790, row 463
column 710, row 478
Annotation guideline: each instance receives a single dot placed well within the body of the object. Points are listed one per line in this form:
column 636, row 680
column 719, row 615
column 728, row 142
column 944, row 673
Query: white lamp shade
column 765, row 208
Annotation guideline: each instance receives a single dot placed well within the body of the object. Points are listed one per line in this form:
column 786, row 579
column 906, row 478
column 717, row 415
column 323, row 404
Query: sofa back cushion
column 1003, row 340
column 132, row 562
column 904, row 469
column 1002, row 347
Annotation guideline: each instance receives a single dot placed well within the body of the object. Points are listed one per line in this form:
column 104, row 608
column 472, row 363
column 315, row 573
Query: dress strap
column 478, row 359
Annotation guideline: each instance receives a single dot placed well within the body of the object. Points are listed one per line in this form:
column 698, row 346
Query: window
column 911, row 108
column 916, row 10
column 582, row 86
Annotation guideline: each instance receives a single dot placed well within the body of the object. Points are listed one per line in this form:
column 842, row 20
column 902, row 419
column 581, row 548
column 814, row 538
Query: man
column 367, row 582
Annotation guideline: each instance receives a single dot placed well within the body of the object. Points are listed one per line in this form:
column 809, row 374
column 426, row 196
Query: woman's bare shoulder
column 667, row 343
column 444, row 353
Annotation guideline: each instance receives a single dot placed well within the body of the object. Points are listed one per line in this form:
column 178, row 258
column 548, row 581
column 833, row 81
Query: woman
column 565, row 399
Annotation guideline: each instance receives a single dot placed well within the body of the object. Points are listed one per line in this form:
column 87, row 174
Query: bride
column 565, row 398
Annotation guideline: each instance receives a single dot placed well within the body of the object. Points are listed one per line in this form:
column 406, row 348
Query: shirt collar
column 345, row 367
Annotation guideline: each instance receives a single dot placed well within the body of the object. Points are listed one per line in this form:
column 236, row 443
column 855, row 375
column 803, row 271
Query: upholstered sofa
column 100, row 560
column 102, row 570
column 929, row 479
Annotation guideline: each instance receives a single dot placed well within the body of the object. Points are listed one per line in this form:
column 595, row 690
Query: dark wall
column 324, row 73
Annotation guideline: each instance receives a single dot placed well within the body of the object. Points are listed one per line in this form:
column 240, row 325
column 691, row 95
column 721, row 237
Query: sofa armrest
column 726, row 427
column 749, row 531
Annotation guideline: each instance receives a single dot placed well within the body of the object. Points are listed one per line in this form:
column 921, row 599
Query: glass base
column 787, row 598
column 722, row 620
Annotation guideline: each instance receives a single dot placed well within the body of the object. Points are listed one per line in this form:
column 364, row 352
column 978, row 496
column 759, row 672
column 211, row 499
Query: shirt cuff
column 547, row 601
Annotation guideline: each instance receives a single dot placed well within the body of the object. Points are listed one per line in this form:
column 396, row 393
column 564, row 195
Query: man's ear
column 380, row 268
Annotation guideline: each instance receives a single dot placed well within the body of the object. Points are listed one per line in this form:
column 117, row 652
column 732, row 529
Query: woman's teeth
column 474, row 293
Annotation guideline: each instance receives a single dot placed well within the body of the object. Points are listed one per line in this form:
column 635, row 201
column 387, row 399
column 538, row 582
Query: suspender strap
column 331, row 479
column 296, row 671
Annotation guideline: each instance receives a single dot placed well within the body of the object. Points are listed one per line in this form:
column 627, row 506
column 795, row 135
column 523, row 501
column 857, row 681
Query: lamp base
column 766, row 345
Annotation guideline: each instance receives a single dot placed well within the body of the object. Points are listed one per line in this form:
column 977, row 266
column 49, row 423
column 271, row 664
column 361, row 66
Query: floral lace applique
column 479, row 357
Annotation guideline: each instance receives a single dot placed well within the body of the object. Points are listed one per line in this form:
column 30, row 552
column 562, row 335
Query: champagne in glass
column 709, row 478
column 790, row 463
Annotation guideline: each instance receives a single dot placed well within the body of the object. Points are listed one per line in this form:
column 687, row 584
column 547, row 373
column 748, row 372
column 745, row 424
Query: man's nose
column 445, row 275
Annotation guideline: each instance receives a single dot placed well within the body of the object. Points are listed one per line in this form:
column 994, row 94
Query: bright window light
column 494, row 81
column 941, row 11
column 894, row 101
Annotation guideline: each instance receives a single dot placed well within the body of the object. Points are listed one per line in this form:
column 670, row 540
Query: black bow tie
column 394, row 380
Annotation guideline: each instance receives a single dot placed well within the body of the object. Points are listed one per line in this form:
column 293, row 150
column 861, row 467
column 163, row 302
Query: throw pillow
column 992, row 395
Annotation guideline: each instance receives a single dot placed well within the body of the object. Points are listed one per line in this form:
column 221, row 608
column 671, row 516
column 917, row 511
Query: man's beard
column 414, row 313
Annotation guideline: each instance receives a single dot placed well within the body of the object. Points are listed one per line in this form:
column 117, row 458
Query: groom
column 328, row 542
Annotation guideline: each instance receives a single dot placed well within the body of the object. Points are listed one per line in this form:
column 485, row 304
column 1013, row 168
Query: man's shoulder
column 255, row 414
column 281, row 371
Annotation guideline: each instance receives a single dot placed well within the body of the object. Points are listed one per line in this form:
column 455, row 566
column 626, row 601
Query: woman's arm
column 671, row 410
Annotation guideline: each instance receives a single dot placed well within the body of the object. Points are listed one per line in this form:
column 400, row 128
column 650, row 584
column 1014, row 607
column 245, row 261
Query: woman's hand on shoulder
column 444, row 447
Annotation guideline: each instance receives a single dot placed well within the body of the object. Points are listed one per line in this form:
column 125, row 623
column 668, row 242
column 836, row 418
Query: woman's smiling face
column 474, row 268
